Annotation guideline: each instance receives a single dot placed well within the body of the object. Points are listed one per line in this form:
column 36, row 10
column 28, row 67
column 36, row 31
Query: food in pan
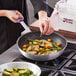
column 41, row 47
column 17, row 72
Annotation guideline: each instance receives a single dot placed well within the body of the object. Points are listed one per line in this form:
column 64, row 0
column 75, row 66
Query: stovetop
column 65, row 65
column 69, row 69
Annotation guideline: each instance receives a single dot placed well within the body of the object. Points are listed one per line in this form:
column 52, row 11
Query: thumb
column 42, row 28
column 15, row 16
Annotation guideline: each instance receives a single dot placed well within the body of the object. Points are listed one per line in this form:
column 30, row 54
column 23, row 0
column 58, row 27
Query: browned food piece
column 45, row 42
column 33, row 47
column 49, row 52
column 54, row 51
column 29, row 48
column 46, row 53
column 32, row 52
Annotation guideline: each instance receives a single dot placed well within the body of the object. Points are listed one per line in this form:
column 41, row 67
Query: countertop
column 9, row 55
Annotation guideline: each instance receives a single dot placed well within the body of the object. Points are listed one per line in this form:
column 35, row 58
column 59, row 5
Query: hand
column 46, row 26
column 13, row 15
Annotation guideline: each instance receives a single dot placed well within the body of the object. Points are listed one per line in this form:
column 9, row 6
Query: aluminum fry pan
column 36, row 35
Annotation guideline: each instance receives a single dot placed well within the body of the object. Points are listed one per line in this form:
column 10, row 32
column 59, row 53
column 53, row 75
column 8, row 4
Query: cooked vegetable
column 49, row 40
column 42, row 47
column 39, row 53
column 24, row 46
column 8, row 70
column 5, row 73
column 18, row 72
column 47, row 46
column 24, row 49
column 15, row 69
column 29, row 72
column 22, row 72
column 21, row 69
column 47, row 49
column 30, row 43
column 41, row 35
column 15, row 74
column 58, row 44
column 57, row 47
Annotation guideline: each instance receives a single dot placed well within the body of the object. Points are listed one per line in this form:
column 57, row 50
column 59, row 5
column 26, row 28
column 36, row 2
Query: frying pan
column 57, row 38
column 34, row 68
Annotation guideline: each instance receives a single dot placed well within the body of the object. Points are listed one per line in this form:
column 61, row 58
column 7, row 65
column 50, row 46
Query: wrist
column 42, row 15
column 3, row 12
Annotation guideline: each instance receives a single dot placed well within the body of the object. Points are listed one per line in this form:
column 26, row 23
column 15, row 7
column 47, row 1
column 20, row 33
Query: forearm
column 42, row 14
column 3, row 13
column 41, row 5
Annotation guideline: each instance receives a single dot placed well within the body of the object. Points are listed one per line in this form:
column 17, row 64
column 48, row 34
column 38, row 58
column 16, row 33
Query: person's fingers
column 46, row 26
column 42, row 28
column 14, row 15
column 50, row 29
column 19, row 14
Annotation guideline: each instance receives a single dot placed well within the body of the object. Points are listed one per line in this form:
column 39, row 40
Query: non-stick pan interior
column 36, row 35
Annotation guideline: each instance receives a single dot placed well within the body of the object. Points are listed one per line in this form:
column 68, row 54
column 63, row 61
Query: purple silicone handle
column 20, row 19
column 13, row 10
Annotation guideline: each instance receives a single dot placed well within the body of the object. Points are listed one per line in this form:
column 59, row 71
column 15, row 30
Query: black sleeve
column 41, row 5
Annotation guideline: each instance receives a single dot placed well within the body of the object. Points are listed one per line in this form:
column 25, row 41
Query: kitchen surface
column 64, row 65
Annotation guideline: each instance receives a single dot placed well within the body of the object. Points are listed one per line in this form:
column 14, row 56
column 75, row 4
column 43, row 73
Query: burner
column 71, row 65
column 69, row 69
column 47, row 72
column 71, row 46
column 62, row 73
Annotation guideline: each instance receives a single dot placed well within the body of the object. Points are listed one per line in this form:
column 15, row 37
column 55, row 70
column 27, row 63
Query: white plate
column 34, row 68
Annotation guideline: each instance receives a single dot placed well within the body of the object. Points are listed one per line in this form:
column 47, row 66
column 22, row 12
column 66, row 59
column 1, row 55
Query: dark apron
column 9, row 31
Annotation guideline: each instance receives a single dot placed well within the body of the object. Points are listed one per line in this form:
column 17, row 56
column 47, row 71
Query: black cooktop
column 69, row 69
column 65, row 65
